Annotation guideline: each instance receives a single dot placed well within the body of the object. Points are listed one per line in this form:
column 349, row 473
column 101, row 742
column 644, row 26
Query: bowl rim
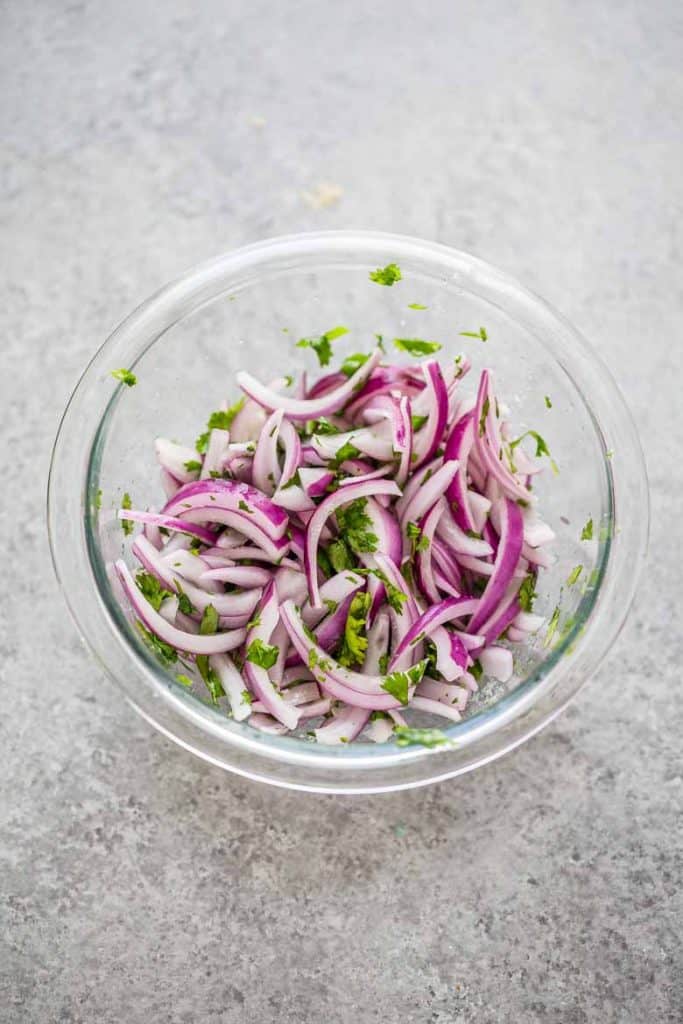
column 196, row 287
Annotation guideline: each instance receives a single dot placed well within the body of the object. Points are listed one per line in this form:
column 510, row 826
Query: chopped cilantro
column 98, row 500
column 527, row 593
column 330, row 605
column 219, row 420
column 541, row 446
column 195, row 546
column 353, row 363
column 347, row 451
column 209, row 623
column 356, row 525
column 322, row 346
column 211, row 678
column 574, row 575
column 548, row 403
column 126, row 377
column 243, row 507
column 417, row 347
column 324, row 563
column 321, row 426
column 552, row 626
column 262, row 654
column 183, row 679
column 480, row 334
column 184, row 603
column 484, row 413
column 388, row 275
column 587, row 532
column 246, row 697
column 418, row 421
column 126, row 524
column 339, row 556
column 476, row 670
column 150, row 588
column 354, row 641
column 253, row 623
column 192, row 465
column 406, row 736
column 395, row 597
column 166, row 654
column 294, row 481
column 384, row 663
column 289, row 380
column 418, row 542
column 416, row 305
column 398, row 683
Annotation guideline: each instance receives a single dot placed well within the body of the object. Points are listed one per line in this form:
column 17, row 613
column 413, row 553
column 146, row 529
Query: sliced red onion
column 344, row 727
column 249, row 504
column 435, row 707
column 458, row 541
column 308, row 409
column 427, row 622
column 428, row 493
column 265, row 469
column 233, row 684
column 259, row 680
column 321, row 515
column 497, row 662
column 248, row 422
column 181, row 640
column 435, row 400
column 507, row 557
column 173, row 458
column 215, row 453
column 335, row 590
column 267, row 724
column 448, row 693
column 169, row 523
column 315, row 480
column 246, row 576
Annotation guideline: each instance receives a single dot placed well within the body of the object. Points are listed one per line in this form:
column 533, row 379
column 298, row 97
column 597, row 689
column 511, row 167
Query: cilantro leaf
column 527, row 593
column 347, row 451
column 193, row 465
column 417, row 347
column 209, row 623
column 262, row 654
column 418, row 542
column 97, row 503
column 246, row 697
column 321, row 426
column 354, row 643
column 552, row 626
column 353, row 363
column 322, row 345
column 406, row 736
column 574, row 575
column 339, row 555
column 166, row 654
column 416, row 305
column 126, row 377
column 418, row 421
column 220, row 420
column 126, row 524
column 548, row 403
column 541, row 446
column 480, row 334
column 482, row 419
column 587, row 532
column 184, row 603
column 243, row 507
column 150, row 588
column 398, row 683
column 211, row 678
column 384, row 663
column 388, row 275
column 356, row 526
column 183, row 679
column 395, row 597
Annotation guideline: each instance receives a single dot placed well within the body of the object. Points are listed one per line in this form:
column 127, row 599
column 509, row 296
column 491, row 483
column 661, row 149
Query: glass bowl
column 245, row 310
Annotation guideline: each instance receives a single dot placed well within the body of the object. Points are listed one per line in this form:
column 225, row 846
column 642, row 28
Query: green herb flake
column 609, row 454
column 97, row 504
column 339, row 556
column 246, row 697
column 330, row 604
column 193, row 465
column 353, row 363
column 243, row 507
column 356, row 526
column 184, row 603
column 347, row 451
column 395, row 596
column 387, row 276
column 126, row 524
column 126, row 377
column 548, row 403
column 211, row 678
column 406, row 736
column 322, row 346
column 354, row 641
column 552, row 626
column 183, row 679
column 321, row 426
column 220, row 420
column 541, row 446
column 418, row 422
column 166, row 654
column 398, row 684
column 574, row 575
column 416, row 305
column 253, row 623
column 482, row 419
column 527, row 594
column 480, row 334
column 383, row 665
column 587, row 532
column 209, row 623
column 151, row 589
column 418, row 542
column 262, row 654
column 416, row 346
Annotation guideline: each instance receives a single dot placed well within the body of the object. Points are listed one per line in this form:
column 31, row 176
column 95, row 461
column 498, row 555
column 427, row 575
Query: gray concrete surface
column 140, row 885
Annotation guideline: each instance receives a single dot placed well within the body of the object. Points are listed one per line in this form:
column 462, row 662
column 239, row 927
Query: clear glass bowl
column 245, row 310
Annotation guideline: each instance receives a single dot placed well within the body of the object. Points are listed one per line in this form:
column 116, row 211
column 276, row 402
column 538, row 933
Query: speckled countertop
column 140, row 885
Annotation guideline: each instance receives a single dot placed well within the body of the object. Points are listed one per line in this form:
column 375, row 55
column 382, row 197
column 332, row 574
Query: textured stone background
column 140, row 885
